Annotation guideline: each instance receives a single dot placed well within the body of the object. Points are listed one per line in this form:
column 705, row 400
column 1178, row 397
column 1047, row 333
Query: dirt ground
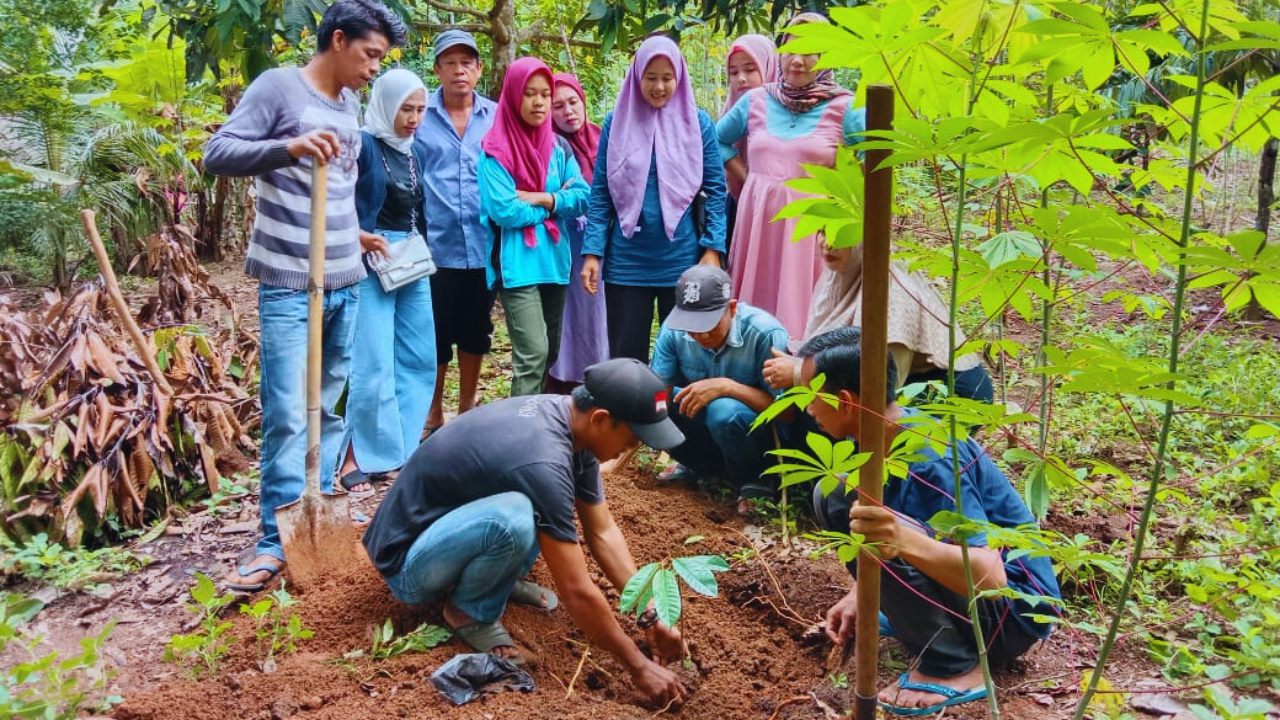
column 752, row 657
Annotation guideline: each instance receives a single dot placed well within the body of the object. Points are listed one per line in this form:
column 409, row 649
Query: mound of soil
column 751, row 654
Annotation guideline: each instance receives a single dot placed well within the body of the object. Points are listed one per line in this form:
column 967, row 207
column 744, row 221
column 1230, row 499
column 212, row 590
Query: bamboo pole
column 876, row 228
column 145, row 351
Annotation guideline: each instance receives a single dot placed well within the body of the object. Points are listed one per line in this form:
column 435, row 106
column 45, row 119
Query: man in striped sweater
column 288, row 119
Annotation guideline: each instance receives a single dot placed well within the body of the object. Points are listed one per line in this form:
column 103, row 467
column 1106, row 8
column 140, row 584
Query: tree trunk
column 506, row 43
column 1266, row 197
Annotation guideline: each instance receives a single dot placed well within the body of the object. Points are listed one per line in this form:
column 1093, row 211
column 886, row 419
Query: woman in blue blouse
column 529, row 185
column 647, row 232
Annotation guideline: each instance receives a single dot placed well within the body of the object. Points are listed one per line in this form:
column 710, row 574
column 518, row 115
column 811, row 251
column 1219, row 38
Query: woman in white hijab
column 918, row 331
column 393, row 358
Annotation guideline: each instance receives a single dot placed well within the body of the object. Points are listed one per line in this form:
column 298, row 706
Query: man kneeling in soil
column 923, row 591
column 476, row 503
column 710, row 350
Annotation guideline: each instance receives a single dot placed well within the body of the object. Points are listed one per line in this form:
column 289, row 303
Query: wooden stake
column 145, row 351
column 876, row 229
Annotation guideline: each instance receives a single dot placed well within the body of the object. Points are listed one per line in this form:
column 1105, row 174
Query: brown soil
column 750, row 650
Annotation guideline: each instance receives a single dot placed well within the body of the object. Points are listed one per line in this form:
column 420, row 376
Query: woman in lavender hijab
column 642, row 234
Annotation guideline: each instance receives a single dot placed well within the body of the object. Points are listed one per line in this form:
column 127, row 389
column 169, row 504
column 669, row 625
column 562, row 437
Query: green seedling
column 657, row 582
column 203, row 649
column 387, row 645
column 45, row 686
column 277, row 629
column 65, row 568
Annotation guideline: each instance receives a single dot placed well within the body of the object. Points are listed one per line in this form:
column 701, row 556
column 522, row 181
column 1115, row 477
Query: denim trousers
column 719, row 441
column 534, row 313
column 478, row 551
column 283, row 328
column 393, row 371
column 931, row 621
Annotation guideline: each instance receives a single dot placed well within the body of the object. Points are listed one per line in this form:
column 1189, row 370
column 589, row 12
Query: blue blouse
column 648, row 258
column 512, row 263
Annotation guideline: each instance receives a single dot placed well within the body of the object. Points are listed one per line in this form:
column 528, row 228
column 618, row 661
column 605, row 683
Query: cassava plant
column 1035, row 205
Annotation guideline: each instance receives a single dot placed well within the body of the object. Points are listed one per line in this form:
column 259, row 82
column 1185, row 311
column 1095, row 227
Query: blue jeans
column 479, row 550
column 283, row 318
column 393, row 371
column 719, row 441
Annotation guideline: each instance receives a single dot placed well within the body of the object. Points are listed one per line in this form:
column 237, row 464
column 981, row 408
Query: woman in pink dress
column 803, row 119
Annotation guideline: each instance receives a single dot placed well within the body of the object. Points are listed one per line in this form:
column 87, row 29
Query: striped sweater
column 277, row 107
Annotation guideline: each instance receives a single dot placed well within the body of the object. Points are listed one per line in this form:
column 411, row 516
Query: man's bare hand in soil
column 659, row 685
column 842, row 616
column 666, row 643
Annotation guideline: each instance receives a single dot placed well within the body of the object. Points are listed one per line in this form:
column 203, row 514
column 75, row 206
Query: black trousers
column 943, row 642
column 629, row 313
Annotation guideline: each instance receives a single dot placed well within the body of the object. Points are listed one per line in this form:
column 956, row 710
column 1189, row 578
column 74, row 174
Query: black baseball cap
column 629, row 390
column 702, row 294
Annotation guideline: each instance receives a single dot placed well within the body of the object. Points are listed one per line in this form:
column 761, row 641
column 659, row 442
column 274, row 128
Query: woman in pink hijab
column 530, row 185
column 803, row 118
column 657, row 198
column 752, row 63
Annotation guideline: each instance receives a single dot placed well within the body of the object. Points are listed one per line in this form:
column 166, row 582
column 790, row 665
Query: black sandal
column 357, row 477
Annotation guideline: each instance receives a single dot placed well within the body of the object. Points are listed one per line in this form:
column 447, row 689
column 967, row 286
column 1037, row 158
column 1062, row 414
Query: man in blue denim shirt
column 457, row 118
column 711, row 351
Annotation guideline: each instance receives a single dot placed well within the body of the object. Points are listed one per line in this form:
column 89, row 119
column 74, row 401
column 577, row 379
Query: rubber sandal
column 484, row 637
column 357, row 477
column 532, row 594
column 428, row 432
column 953, row 696
column 886, row 630
column 246, row 570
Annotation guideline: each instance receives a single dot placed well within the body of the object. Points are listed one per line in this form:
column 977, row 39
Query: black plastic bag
column 467, row 677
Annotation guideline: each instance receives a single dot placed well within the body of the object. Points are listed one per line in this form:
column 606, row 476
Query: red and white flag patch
column 660, row 401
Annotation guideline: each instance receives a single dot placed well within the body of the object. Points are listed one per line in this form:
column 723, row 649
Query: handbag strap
column 413, row 184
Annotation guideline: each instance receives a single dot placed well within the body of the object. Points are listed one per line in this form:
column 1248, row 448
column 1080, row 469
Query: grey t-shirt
column 518, row 445
column 277, row 107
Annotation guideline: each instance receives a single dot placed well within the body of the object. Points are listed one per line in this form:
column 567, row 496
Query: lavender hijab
column 640, row 133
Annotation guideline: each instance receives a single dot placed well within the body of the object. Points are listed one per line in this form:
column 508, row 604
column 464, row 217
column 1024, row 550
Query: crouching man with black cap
column 478, row 501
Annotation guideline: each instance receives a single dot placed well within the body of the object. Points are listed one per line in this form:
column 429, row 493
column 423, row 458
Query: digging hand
column 659, row 685
column 841, row 618
column 666, row 643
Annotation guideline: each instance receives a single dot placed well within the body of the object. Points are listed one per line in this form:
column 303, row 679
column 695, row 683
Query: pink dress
column 769, row 270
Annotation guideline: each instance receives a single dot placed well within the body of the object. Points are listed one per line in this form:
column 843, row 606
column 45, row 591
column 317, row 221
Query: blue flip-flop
column 886, row 630
column 245, row 570
column 953, row 696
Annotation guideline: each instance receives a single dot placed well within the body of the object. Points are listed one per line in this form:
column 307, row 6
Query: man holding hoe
column 288, row 119
column 923, row 591
column 475, row 506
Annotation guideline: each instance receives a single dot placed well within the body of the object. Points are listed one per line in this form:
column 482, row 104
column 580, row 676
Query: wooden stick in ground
column 90, row 220
column 873, row 396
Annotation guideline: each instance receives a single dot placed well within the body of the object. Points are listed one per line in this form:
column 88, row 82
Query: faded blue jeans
column 719, row 441
column 393, row 371
column 478, row 550
column 283, row 319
